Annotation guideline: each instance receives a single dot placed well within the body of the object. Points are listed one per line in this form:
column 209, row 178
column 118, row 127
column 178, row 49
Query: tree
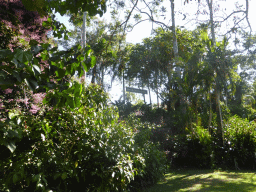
column 106, row 40
column 37, row 64
column 214, row 54
column 35, row 78
column 19, row 27
column 149, row 62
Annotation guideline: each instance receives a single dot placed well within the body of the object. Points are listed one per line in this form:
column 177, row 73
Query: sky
column 144, row 29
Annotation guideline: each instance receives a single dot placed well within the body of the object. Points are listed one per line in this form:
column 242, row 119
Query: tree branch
column 232, row 14
column 125, row 22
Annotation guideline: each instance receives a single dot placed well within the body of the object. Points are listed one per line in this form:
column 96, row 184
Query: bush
column 155, row 159
column 192, row 150
column 84, row 149
column 239, row 143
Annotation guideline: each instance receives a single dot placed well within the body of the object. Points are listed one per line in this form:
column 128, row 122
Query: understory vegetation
column 80, row 149
column 197, row 147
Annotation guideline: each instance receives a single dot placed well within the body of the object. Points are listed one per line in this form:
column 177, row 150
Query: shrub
column 155, row 159
column 240, row 143
column 71, row 150
column 81, row 149
column 193, row 149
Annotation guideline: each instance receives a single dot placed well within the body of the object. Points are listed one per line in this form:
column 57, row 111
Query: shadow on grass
column 206, row 180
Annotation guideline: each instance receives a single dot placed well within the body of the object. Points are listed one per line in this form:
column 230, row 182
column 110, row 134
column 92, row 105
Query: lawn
column 207, row 180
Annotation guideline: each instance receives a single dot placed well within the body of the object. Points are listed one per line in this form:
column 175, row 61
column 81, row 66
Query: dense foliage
column 82, row 149
column 198, row 149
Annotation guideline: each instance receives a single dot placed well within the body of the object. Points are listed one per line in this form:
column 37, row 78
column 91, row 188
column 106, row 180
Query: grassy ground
column 207, row 180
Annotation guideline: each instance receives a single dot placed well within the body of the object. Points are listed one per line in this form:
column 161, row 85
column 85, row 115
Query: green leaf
column 31, row 84
column 65, row 37
column 14, row 133
column 70, row 102
column 64, row 175
column 4, row 53
column 80, row 58
column 76, row 164
column 60, row 73
column 18, row 64
column 204, row 36
column 33, row 42
column 36, row 49
column 36, row 178
column 57, row 175
column 23, row 56
column 36, row 70
column 11, row 146
column 84, row 66
column 46, row 46
column 12, row 114
column 17, row 76
column 93, row 61
column 48, row 128
column 15, row 178
column 35, row 61
column 54, row 49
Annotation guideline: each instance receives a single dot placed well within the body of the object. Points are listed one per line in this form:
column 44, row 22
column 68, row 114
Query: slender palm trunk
column 175, row 51
column 94, row 74
column 210, row 113
column 102, row 77
column 123, row 88
column 149, row 94
column 219, row 115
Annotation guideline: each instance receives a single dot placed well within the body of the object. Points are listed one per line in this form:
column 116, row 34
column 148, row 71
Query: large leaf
column 35, row 49
column 93, row 61
column 17, row 63
column 4, row 53
column 60, row 73
column 11, row 146
column 17, row 76
column 84, row 66
column 32, row 84
column 36, row 70
column 23, row 56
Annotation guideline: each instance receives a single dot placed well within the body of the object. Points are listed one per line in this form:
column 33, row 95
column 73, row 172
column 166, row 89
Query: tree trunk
column 149, row 94
column 175, row 52
column 157, row 99
column 175, row 44
column 84, row 39
column 102, row 74
column 220, row 126
column 123, row 88
column 210, row 113
column 94, row 74
column 219, row 119
column 209, row 2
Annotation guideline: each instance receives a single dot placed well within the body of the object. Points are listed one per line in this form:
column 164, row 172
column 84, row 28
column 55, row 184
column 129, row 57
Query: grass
column 207, row 180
